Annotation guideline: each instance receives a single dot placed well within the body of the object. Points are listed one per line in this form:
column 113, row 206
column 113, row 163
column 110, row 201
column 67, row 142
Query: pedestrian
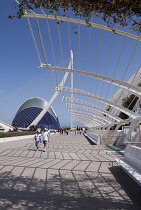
column 61, row 131
column 45, row 138
column 37, row 139
column 66, row 131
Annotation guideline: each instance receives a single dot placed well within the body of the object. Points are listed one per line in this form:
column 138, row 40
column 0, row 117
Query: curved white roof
column 36, row 102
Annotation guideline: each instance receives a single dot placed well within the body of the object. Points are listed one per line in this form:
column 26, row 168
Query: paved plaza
column 71, row 174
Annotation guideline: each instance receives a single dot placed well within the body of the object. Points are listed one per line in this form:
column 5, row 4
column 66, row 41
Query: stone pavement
column 71, row 174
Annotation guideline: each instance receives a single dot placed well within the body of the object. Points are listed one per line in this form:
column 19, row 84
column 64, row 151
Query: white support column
column 125, row 85
column 82, row 22
column 108, row 129
column 44, row 111
column 6, row 126
column 116, row 129
column 72, row 120
column 132, row 127
column 104, row 130
column 90, row 95
column 91, row 106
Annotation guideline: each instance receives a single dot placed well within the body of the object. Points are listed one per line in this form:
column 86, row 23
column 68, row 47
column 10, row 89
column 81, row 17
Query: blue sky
column 17, row 51
column 20, row 78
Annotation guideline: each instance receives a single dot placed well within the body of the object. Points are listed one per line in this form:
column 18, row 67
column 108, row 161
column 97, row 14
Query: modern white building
column 30, row 109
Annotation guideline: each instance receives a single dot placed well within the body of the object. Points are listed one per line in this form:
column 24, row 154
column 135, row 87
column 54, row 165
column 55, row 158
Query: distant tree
column 128, row 102
column 139, row 84
column 32, row 128
column 113, row 127
column 124, row 12
column 15, row 127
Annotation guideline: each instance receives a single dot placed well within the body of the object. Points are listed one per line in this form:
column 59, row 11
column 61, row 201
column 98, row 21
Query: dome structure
column 30, row 109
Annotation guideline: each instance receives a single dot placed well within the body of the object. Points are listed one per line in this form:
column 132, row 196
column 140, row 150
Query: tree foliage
column 124, row 12
column 128, row 102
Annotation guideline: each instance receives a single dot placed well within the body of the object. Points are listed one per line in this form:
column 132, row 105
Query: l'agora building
column 30, row 109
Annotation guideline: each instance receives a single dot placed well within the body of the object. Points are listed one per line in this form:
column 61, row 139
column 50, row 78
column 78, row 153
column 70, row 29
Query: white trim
column 92, row 106
column 90, row 95
column 92, row 113
column 43, row 112
column 87, row 116
column 81, row 22
column 88, row 120
column 125, row 85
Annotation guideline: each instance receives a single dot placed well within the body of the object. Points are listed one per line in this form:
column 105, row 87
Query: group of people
column 78, row 132
column 43, row 136
column 63, row 131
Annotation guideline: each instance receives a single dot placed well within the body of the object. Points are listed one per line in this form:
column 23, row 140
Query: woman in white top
column 45, row 138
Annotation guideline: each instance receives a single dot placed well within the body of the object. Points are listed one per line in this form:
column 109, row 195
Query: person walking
column 45, row 138
column 37, row 139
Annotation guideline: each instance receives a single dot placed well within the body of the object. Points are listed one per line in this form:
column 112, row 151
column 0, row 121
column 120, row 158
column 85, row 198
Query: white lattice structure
column 6, row 127
column 104, row 66
column 121, row 93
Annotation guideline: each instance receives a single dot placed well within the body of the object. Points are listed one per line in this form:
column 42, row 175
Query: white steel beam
column 90, row 95
column 125, row 85
column 138, row 119
column 89, row 121
column 87, row 116
column 90, row 112
column 116, row 129
column 107, row 130
column 72, row 78
column 44, row 111
column 84, row 120
column 81, row 22
column 91, row 106
column 85, row 123
column 6, row 126
column 131, row 128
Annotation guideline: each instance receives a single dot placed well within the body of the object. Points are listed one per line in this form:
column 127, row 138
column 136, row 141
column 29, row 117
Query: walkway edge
column 15, row 138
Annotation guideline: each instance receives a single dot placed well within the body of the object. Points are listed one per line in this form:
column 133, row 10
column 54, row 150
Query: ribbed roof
column 36, row 102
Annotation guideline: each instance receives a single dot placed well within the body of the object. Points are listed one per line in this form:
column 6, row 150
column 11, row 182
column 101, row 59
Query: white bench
column 131, row 163
column 93, row 137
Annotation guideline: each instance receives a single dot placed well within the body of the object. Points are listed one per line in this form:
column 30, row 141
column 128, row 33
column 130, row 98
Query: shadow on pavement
column 60, row 193
column 132, row 189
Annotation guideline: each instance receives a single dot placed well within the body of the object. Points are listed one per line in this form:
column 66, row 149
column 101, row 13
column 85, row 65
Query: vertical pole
column 107, row 131
column 71, row 55
column 116, row 129
column 44, row 111
column 132, row 127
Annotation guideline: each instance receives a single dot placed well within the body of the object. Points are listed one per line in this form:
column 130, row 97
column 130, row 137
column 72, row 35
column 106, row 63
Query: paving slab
column 71, row 174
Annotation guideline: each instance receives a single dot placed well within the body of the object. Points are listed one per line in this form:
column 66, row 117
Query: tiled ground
column 71, row 174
